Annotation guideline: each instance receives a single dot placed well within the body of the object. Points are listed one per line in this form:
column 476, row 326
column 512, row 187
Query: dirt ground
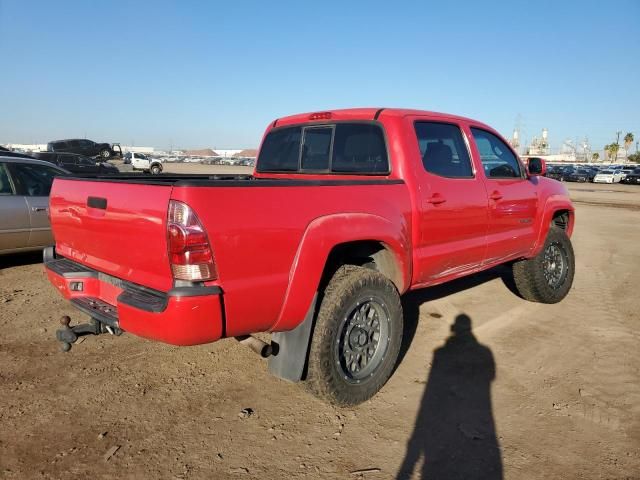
column 538, row 391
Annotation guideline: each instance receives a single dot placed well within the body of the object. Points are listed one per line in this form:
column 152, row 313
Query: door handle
column 436, row 199
column 39, row 209
column 496, row 195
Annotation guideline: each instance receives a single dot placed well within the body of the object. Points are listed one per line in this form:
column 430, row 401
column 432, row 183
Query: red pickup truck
column 346, row 211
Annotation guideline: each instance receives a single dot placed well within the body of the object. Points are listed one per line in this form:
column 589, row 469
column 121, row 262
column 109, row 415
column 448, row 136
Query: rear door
column 15, row 226
column 452, row 203
column 34, row 181
column 512, row 197
column 87, row 147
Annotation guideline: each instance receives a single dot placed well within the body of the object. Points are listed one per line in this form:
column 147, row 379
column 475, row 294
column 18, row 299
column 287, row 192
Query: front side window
column 337, row 148
column 443, row 150
column 35, row 180
column 497, row 158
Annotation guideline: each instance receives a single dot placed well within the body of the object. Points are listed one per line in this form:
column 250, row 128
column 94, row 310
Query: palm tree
column 612, row 151
column 595, row 157
column 628, row 140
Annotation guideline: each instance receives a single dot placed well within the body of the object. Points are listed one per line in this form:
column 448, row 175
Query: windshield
column 606, row 172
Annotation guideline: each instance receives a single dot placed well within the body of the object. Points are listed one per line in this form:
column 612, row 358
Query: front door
column 513, row 200
column 453, row 204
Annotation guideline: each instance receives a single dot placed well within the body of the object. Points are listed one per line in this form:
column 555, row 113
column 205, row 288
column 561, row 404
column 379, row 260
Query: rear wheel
column 357, row 337
column 547, row 277
column 105, row 153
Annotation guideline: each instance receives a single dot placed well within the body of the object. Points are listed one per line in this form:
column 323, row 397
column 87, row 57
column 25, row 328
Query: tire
column 155, row 170
column 341, row 333
column 104, row 153
column 536, row 280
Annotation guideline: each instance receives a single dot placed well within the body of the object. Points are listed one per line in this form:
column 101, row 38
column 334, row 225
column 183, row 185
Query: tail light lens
column 190, row 253
column 320, row 116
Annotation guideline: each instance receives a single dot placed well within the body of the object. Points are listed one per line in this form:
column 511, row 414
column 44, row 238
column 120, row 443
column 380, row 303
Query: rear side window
column 59, row 145
column 443, row 150
column 339, row 148
column 497, row 158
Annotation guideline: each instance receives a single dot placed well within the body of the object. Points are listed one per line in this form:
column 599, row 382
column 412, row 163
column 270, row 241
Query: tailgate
column 114, row 227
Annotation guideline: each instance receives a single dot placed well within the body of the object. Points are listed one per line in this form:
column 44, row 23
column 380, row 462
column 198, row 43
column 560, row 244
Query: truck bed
column 117, row 225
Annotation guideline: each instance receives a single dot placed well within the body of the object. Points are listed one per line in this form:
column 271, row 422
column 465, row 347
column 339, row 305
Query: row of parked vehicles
column 595, row 173
column 82, row 156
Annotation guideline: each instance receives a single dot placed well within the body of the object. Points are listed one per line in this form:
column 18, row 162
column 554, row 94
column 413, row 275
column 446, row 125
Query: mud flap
column 293, row 348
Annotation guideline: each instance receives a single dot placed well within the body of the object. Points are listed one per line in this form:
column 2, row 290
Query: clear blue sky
column 213, row 74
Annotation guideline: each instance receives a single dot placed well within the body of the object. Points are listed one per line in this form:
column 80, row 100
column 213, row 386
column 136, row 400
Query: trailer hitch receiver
column 68, row 335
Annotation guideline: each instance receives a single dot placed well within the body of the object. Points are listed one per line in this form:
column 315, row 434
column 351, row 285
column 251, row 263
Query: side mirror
column 536, row 167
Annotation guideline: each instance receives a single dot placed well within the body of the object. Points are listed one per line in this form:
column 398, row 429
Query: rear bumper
column 182, row 316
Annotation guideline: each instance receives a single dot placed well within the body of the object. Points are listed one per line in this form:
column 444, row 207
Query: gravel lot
column 539, row 392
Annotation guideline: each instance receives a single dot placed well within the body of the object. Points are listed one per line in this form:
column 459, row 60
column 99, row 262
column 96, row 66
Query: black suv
column 82, row 146
column 77, row 163
column 633, row 177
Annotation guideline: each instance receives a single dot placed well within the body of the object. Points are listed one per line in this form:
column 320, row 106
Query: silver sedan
column 24, row 203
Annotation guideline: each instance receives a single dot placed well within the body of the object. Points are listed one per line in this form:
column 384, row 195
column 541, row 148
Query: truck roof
column 369, row 113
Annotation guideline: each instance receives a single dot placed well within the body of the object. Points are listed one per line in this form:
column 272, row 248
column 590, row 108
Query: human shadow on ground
column 454, row 435
column 411, row 301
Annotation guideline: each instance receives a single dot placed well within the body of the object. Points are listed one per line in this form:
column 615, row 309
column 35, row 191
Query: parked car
column 24, row 203
column 580, row 175
column 560, row 172
column 77, row 163
column 140, row 161
column 85, row 147
column 625, row 171
column 608, row 176
column 346, row 211
column 632, row 177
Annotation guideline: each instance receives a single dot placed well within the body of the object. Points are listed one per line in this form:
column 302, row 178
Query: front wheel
column 155, row 170
column 357, row 336
column 547, row 277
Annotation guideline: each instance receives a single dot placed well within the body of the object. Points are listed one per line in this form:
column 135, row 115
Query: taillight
column 190, row 253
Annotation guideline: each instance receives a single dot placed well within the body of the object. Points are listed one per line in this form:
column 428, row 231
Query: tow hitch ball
column 69, row 335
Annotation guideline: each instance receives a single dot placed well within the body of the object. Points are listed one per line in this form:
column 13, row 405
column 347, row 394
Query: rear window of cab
column 358, row 148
